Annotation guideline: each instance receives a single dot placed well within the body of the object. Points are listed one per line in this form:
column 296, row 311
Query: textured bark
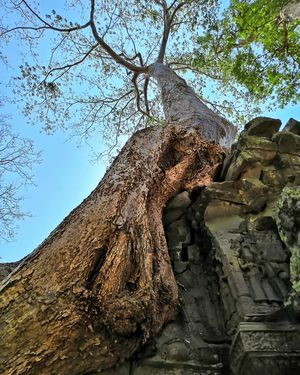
column 7, row 268
column 101, row 284
column 182, row 105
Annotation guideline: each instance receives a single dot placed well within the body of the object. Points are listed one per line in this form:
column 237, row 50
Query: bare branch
column 146, row 83
column 46, row 25
column 182, row 66
column 108, row 49
column 132, row 58
column 172, row 4
column 179, row 6
column 68, row 66
column 166, row 32
column 168, row 23
column 23, row 28
column 17, row 155
column 138, row 97
column 79, row 27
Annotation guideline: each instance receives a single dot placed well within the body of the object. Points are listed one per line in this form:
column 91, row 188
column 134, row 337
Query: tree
column 101, row 285
column 257, row 45
column 101, row 66
column 17, row 155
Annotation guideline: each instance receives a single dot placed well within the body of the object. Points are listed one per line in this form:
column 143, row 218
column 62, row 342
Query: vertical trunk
column 182, row 105
column 101, row 284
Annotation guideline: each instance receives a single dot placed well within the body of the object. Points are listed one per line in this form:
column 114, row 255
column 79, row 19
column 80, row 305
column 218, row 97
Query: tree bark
column 183, row 106
column 101, row 284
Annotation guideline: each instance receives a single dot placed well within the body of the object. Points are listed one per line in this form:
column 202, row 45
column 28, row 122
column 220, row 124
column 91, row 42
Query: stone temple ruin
column 235, row 250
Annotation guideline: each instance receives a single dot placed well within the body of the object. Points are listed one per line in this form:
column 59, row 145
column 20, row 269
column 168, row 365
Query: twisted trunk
column 101, row 284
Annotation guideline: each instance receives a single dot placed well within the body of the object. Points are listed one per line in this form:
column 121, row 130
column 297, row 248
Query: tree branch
column 146, row 83
column 168, row 23
column 68, row 66
column 176, row 10
column 46, row 25
column 166, row 32
column 183, row 66
column 109, row 50
column 80, row 27
column 138, row 97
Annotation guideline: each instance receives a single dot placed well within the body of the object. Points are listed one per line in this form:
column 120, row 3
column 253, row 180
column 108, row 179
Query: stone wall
column 252, row 218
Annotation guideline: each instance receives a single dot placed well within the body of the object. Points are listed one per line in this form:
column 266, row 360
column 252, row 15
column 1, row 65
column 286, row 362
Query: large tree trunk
column 183, row 106
column 101, row 284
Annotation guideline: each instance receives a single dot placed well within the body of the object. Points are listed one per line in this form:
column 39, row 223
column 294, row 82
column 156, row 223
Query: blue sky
column 64, row 178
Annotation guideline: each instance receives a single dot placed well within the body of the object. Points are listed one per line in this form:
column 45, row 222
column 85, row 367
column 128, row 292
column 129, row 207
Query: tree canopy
column 256, row 44
column 88, row 61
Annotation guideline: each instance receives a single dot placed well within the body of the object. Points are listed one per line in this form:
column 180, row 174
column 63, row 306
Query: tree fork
column 101, row 284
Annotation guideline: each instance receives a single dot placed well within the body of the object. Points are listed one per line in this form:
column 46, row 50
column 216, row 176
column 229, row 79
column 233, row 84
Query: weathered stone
column 181, row 200
column 254, row 171
column 266, row 348
column 218, row 209
column 237, row 284
column 226, row 164
column 264, row 223
column 273, row 177
column 288, row 221
column 251, row 152
column 292, row 126
column 186, row 279
column 289, row 160
column 251, row 193
column 274, row 252
column 262, row 146
column 194, row 253
column 287, row 142
column 178, row 232
column 262, row 127
column 123, row 369
column 179, row 266
column 177, row 351
column 155, row 368
column 171, row 215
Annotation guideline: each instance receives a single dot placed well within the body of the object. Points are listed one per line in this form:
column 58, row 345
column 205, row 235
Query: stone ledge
column 266, row 348
column 165, row 368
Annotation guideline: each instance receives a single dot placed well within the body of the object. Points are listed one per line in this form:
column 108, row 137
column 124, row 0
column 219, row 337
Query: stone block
column 220, row 209
column 287, row 142
column 273, row 177
column 178, row 232
column 292, row 126
column 238, row 284
column 179, row 369
column 181, row 200
column 171, row 215
column 250, row 192
column 262, row 127
column 194, row 253
column 123, row 369
column 266, row 349
column 257, row 146
column 254, row 171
